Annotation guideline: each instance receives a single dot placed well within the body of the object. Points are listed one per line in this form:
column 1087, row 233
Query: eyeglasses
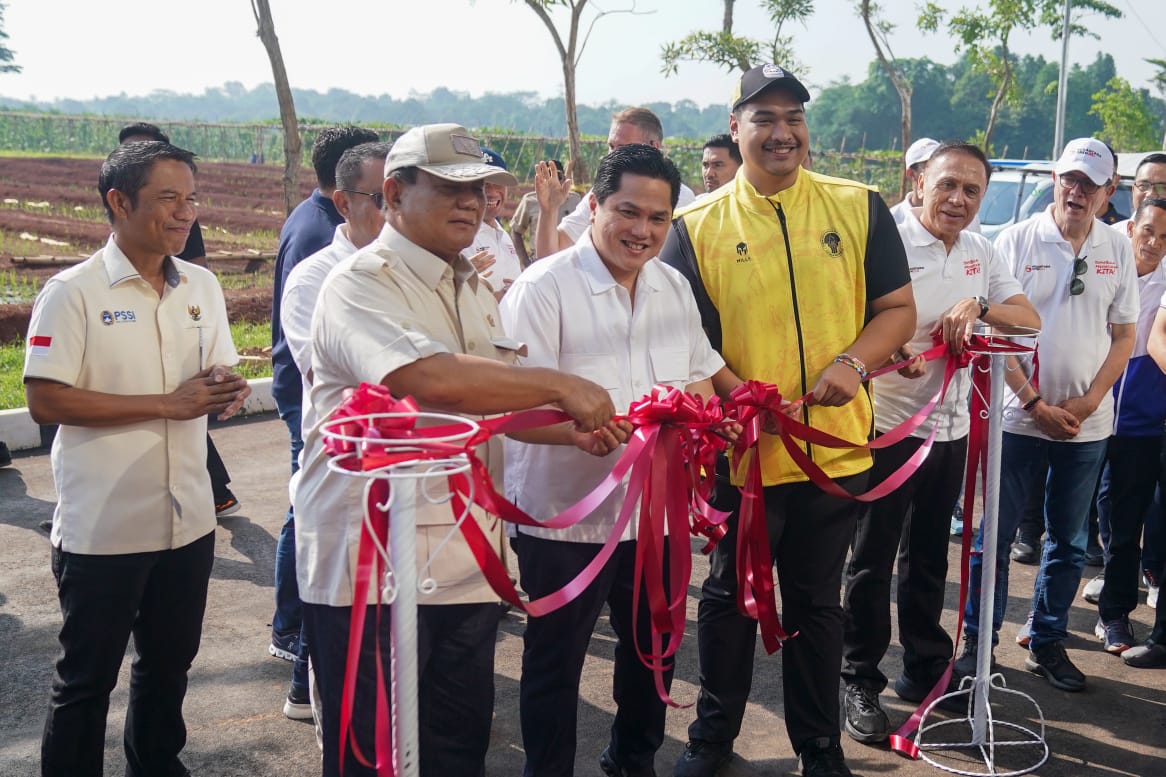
column 377, row 197
column 1077, row 286
column 1068, row 184
column 1159, row 189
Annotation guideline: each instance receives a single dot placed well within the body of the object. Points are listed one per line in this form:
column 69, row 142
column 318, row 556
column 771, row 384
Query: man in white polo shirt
column 359, row 201
column 128, row 353
column 957, row 280
column 493, row 242
column 410, row 312
column 631, row 125
column 1079, row 275
column 645, row 331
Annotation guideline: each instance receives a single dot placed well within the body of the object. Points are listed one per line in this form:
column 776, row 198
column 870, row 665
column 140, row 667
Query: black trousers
column 1133, row 469
column 555, row 646
column 911, row 522
column 157, row 597
column 215, row 467
column 455, row 672
column 809, row 534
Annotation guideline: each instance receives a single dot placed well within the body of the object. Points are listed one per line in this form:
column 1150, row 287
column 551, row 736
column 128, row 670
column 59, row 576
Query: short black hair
column 1157, row 158
column 637, row 159
column 963, row 147
column 142, row 128
column 725, row 141
column 330, row 144
column 351, row 164
column 1149, row 202
column 127, row 166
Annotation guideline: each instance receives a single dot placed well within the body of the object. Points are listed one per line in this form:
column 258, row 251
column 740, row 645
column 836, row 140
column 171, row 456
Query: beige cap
column 447, row 151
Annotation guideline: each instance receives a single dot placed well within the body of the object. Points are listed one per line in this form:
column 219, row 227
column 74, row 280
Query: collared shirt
column 574, row 317
column 309, row 227
column 939, row 280
column 506, row 267
column 302, row 291
column 100, row 326
column 579, row 220
column 381, row 309
column 1074, row 338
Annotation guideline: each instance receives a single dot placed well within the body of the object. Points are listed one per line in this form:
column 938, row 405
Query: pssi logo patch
column 832, row 243
column 118, row 317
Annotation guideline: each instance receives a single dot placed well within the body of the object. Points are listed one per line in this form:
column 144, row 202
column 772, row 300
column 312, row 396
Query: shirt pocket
column 599, row 368
column 670, row 367
column 507, row 350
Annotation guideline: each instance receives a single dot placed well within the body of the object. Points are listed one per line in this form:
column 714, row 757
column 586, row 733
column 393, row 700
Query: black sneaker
column 1053, row 662
column 285, row 647
column 229, row 505
column 1148, row 656
column 612, row 769
column 822, row 757
column 703, row 759
column 909, row 690
column 865, row 720
column 298, row 705
column 965, row 665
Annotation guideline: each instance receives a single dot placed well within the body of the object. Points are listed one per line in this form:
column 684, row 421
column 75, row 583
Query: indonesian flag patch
column 38, row 345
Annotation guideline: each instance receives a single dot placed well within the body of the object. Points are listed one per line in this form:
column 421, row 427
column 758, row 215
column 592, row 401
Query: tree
column 7, row 57
column 569, row 55
column 1127, row 123
column 879, row 30
column 292, row 148
column 985, row 33
column 736, row 52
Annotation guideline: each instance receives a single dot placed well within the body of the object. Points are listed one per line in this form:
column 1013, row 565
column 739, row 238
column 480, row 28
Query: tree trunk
column 568, row 57
column 998, row 100
column 579, row 171
column 292, row 147
column 901, row 84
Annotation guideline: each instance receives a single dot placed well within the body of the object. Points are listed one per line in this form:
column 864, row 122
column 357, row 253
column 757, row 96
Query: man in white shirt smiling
column 644, row 330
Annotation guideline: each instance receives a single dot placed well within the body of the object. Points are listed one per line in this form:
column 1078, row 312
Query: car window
column 1000, row 200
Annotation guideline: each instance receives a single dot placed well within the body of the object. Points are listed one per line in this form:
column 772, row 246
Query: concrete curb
column 20, row 432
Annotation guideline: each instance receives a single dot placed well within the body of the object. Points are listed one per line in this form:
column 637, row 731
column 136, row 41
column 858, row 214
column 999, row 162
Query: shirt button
column 471, row 345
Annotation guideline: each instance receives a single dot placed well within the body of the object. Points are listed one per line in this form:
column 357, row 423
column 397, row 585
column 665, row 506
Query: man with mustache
column 801, row 281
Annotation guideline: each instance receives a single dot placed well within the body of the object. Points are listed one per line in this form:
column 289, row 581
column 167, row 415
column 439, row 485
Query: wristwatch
column 983, row 302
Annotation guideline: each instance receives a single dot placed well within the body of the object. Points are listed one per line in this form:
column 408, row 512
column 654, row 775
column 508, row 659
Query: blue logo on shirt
column 123, row 316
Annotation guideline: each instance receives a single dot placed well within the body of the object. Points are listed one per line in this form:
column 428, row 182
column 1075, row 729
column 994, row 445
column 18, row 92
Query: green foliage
column 1127, row 122
column 7, row 58
column 737, row 52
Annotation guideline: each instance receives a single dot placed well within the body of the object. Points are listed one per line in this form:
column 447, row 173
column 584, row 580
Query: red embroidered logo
column 1105, row 267
column 972, row 266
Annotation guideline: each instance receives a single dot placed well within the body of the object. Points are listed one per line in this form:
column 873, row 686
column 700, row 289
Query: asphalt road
column 233, row 709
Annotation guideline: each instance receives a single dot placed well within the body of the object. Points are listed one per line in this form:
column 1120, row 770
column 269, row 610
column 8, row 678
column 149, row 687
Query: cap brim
column 471, row 172
column 797, row 90
column 1075, row 167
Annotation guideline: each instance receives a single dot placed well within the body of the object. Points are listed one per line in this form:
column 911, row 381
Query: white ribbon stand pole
column 986, row 735
column 408, row 483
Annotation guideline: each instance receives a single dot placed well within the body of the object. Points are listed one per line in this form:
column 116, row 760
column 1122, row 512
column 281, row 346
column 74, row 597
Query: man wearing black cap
column 802, row 282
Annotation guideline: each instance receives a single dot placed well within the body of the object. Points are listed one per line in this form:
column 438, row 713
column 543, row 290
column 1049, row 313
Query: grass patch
column 245, row 336
column 18, row 287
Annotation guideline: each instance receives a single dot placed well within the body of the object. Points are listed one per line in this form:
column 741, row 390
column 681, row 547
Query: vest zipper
column 793, row 287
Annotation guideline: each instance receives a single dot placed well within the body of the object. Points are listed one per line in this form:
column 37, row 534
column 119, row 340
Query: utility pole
column 1062, row 86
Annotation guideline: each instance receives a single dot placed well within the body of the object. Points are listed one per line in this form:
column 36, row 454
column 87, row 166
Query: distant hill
column 513, row 111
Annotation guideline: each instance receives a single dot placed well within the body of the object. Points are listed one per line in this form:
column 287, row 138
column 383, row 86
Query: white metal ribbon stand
column 985, row 734
column 408, row 482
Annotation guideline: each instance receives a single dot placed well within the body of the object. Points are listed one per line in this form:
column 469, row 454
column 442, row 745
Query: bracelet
column 1030, row 404
column 853, row 362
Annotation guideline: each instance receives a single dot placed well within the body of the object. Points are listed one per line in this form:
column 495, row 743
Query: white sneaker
column 1092, row 592
column 1024, row 635
column 1152, row 597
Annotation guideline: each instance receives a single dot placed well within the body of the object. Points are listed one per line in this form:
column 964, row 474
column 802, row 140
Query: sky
column 400, row 47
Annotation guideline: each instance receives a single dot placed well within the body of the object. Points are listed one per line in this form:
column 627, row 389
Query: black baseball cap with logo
column 763, row 77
